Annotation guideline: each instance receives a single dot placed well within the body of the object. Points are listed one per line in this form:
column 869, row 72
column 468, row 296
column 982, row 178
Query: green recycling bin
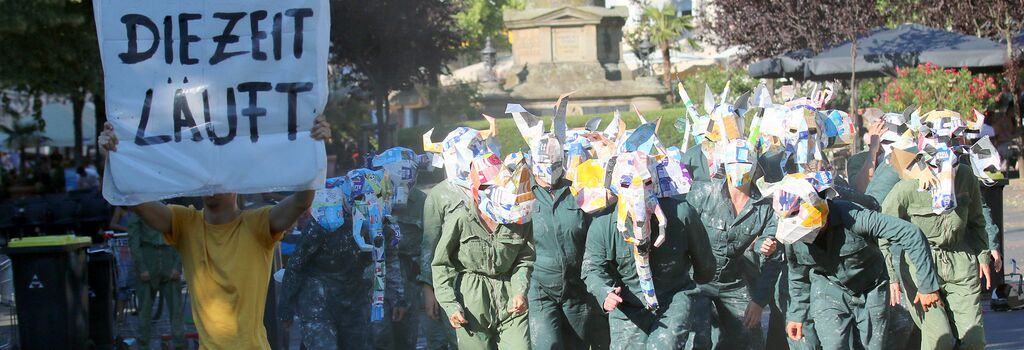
column 50, row 291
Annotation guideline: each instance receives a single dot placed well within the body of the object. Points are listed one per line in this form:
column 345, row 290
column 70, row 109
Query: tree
column 766, row 28
column 664, row 26
column 393, row 43
column 482, row 19
column 770, row 28
column 50, row 48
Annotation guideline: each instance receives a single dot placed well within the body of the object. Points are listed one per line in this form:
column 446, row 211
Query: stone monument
column 560, row 46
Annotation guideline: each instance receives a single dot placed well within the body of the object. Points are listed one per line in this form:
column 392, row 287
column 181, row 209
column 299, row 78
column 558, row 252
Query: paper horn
column 492, row 129
column 528, row 124
column 430, row 146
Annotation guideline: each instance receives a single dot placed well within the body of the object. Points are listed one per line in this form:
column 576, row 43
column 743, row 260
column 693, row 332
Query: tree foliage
column 770, row 28
column 393, row 43
column 482, row 19
column 664, row 27
column 50, row 48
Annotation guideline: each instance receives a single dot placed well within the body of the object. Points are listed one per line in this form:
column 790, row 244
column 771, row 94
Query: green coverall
column 608, row 263
column 903, row 333
column 153, row 256
column 959, row 243
column 731, row 235
column 439, row 333
column 562, row 314
column 410, row 223
column 478, row 273
column 839, row 282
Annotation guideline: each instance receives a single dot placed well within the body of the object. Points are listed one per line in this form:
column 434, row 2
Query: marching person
column 734, row 215
column 832, row 256
column 959, row 245
column 226, row 254
column 479, row 270
column 402, row 167
column 642, row 276
column 158, row 269
column 328, row 286
column 562, row 314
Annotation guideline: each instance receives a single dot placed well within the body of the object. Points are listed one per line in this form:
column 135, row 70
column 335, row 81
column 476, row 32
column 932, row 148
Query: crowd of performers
column 607, row 238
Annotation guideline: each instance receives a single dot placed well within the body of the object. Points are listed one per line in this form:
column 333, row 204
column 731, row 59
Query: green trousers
column 721, row 317
column 571, row 320
column 485, row 303
column 671, row 327
column 846, row 321
column 957, row 324
column 171, row 292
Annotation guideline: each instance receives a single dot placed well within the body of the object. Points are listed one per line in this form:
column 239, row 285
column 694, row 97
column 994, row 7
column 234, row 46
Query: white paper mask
column 459, row 148
column 801, row 213
column 510, row 199
column 401, row 165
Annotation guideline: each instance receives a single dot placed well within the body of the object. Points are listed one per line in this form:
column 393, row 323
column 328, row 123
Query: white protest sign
column 213, row 96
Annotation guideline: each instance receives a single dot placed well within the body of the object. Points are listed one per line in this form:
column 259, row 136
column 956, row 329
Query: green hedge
column 511, row 141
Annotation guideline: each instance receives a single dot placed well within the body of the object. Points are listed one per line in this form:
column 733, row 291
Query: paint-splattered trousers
column 334, row 320
column 407, row 330
column 958, row 323
column 720, row 318
column 671, row 327
column 843, row 320
column 565, row 317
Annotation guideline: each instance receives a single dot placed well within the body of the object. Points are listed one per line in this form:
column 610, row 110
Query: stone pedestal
column 572, row 45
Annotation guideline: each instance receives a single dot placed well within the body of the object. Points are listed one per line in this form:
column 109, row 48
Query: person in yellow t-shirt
column 226, row 254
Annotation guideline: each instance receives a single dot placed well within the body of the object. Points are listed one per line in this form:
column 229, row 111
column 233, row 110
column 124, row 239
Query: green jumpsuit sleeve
column 977, row 228
column 698, row 243
column 432, row 219
column 883, row 182
column 990, row 227
column 599, row 264
column 908, row 236
column 444, row 269
column 799, row 288
column 895, row 205
column 520, row 279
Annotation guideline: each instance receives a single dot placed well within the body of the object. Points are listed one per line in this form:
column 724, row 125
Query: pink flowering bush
column 930, row 87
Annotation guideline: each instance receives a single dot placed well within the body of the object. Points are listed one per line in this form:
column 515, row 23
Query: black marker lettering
column 168, row 40
column 276, row 33
column 298, row 14
column 226, row 37
column 232, row 119
column 185, row 38
column 293, row 89
column 257, row 34
column 253, row 112
column 140, row 135
column 131, row 25
column 183, row 117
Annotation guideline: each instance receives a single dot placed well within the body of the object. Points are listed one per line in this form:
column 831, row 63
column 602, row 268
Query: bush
column 716, row 78
column 930, row 87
